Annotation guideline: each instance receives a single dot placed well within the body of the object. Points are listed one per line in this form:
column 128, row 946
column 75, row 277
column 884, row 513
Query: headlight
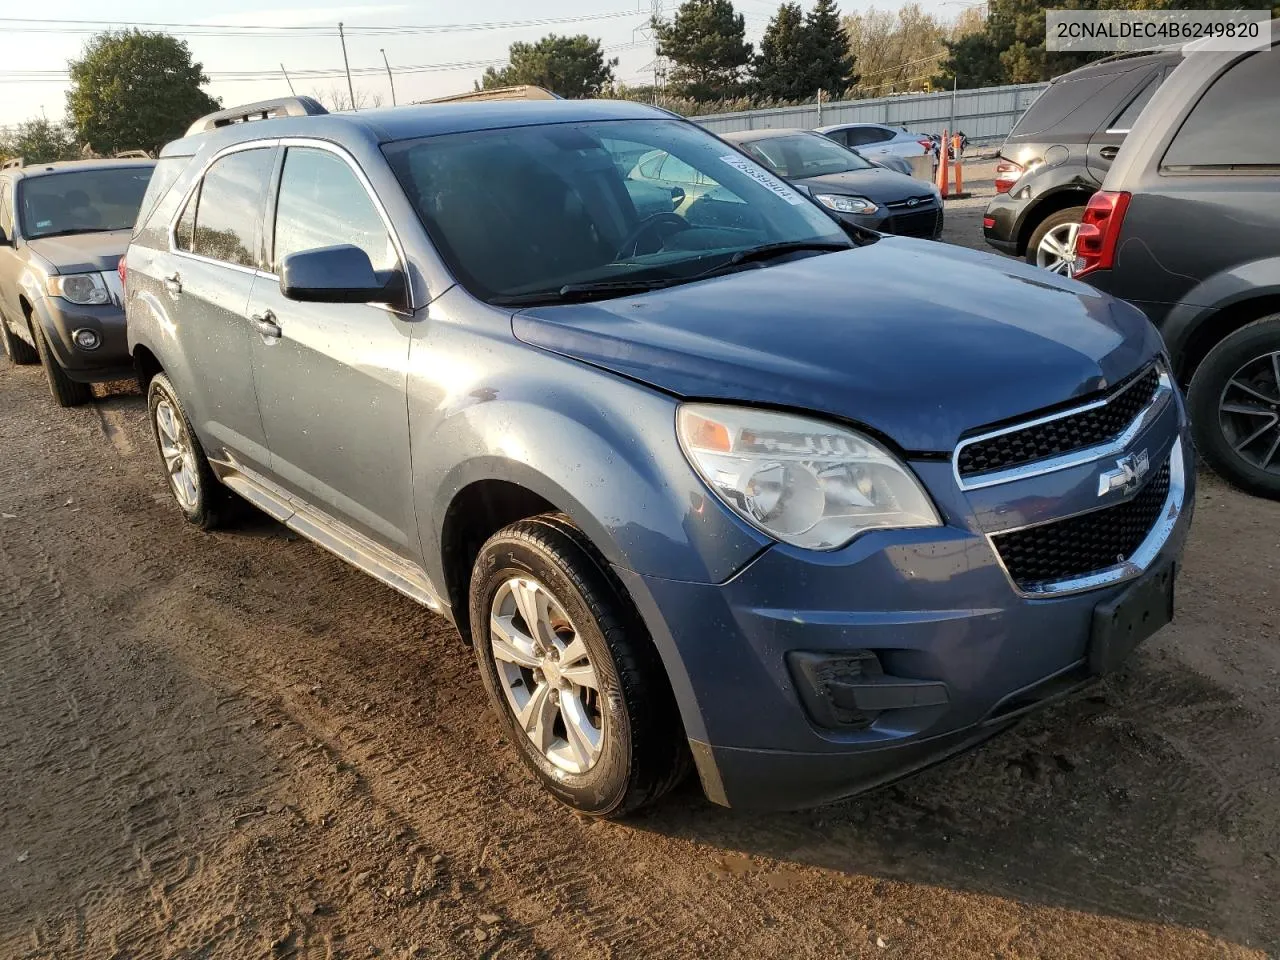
column 804, row 482
column 846, row 204
column 78, row 288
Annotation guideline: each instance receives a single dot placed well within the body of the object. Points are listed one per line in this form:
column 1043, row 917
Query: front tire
column 1052, row 246
column 197, row 492
column 66, row 392
column 571, row 672
column 1234, row 402
column 17, row 349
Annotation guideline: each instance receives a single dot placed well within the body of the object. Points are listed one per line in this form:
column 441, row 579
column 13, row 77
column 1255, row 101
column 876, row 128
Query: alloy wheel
column 178, row 454
column 1057, row 250
column 1249, row 412
column 546, row 675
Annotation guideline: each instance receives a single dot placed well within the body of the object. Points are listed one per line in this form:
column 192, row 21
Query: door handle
column 1109, row 153
column 266, row 325
column 173, row 283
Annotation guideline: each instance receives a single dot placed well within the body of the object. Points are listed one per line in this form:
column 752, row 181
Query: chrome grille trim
column 1161, row 398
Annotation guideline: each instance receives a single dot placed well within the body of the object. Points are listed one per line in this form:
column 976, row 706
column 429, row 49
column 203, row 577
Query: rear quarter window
column 1237, row 121
column 166, row 172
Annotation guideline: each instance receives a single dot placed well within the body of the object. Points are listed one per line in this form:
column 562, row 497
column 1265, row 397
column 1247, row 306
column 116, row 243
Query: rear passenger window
column 323, row 204
column 1237, row 121
column 230, row 206
column 861, row 136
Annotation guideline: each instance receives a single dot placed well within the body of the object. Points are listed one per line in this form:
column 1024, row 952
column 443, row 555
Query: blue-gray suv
column 706, row 480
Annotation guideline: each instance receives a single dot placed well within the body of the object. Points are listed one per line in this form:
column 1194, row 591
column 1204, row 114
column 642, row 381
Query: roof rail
column 11, row 164
column 133, row 155
column 262, row 110
column 523, row 92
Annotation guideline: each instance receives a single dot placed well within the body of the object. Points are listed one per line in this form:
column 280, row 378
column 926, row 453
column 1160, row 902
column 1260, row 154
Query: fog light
column 87, row 339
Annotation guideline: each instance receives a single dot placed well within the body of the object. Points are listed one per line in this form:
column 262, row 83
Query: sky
column 456, row 57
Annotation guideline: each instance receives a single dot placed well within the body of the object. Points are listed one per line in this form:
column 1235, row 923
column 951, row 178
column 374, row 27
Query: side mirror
column 341, row 274
column 677, row 197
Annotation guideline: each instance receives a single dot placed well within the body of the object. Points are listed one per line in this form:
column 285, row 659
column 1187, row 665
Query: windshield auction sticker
column 766, row 180
column 1078, row 31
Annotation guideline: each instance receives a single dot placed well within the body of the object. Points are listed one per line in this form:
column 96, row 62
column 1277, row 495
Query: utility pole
column 659, row 71
column 351, row 90
column 287, row 80
column 389, row 79
column 954, row 82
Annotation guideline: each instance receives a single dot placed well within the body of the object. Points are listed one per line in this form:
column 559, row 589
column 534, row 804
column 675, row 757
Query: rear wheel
column 571, row 672
column 1234, row 401
column 17, row 348
column 199, row 495
column 1052, row 246
column 66, row 392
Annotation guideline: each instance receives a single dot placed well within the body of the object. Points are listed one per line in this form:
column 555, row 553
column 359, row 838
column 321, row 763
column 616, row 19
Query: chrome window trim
column 286, row 142
column 194, row 185
column 1132, row 568
column 1076, row 458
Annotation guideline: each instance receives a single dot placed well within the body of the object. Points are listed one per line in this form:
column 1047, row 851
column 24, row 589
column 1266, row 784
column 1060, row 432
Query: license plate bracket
column 1121, row 624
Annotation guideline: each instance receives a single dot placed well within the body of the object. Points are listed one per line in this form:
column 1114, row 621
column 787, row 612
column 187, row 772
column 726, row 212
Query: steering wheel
column 630, row 246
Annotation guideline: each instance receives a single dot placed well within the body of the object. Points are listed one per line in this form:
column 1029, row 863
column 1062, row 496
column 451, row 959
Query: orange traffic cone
column 943, row 163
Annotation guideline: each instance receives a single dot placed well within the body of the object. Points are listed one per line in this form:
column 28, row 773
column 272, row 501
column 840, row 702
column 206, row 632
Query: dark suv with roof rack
column 1059, row 152
column 704, row 477
column 63, row 229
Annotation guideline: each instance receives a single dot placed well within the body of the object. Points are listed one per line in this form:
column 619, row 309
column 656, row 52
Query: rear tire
column 17, row 348
column 1055, row 227
column 1235, row 394
column 197, row 492
column 66, row 392
column 626, row 748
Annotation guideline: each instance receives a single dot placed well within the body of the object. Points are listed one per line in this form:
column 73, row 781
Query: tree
column 829, row 58
column 135, row 89
column 896, row 51
column 707, row 45
column 779, row 70
column 38, row 141
column 337, row 97
column 573, row 67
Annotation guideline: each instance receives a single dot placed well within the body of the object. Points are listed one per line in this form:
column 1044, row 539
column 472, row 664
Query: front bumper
column 110, row 360
column 935, row 608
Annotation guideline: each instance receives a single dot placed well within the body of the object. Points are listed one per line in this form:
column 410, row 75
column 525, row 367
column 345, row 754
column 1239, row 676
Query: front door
column 332, row 377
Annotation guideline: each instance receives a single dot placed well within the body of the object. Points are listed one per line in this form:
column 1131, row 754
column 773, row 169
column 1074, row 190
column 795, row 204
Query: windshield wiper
column 578, row 292
column 769, row 251
column 67, row 233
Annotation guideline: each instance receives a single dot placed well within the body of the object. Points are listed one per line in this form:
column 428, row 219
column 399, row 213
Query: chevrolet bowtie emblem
column 1128, row 473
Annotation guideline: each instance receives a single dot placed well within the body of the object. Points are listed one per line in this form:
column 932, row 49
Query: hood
column 83, row 252
column 877, row 184
column 919, row 341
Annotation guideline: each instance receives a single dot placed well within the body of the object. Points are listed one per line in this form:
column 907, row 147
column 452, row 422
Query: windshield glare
column 800, row 155
column 528, row 210
column 81, row 201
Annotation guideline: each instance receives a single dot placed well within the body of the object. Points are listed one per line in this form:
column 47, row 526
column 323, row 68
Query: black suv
column 63, row 229
column 1187, row 228
column 1059, row 152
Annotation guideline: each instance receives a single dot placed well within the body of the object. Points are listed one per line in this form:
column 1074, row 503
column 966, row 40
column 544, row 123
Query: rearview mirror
column 341, row 274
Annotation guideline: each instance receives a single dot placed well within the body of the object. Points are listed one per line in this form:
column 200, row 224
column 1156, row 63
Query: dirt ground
column 232, row 745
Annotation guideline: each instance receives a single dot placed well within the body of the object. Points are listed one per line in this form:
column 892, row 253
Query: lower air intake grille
column 1083, row 545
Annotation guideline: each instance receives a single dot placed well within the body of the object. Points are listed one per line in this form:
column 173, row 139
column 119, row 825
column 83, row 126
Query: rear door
column 333, row 381
column 1106, row 142
column 206, row 277
column 1213, row 202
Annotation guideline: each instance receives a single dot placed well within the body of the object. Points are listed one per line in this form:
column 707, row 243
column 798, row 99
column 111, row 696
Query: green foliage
column 135, row 90
column 38, row 141
column 830, row 61
column 780, row 69
column 573, row 67
column 706, row 43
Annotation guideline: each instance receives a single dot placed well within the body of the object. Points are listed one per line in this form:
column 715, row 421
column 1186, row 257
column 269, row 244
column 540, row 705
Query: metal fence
column 985, row 115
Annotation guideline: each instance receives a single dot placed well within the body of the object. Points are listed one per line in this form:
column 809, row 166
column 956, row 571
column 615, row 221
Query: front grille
column 1076, row 431
column 1083, row 545
column 923, row 223
column 907, row 204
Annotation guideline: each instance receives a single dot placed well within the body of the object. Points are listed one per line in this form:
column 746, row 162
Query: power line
column 48, row 25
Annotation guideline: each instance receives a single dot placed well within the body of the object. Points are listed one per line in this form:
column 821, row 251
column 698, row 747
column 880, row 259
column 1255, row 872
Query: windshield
column 81, row 201
column 800, row 155
column 531, row 210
